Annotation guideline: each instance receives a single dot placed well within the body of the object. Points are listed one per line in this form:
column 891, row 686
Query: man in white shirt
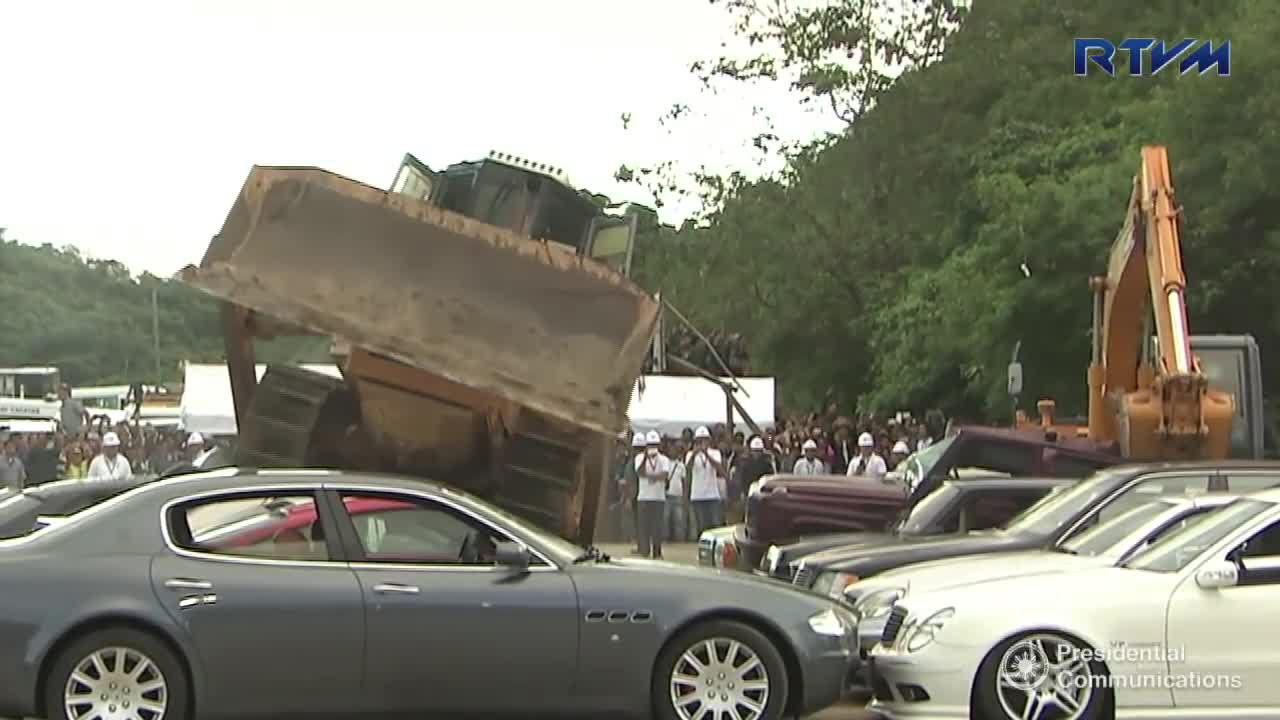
column 110, row 464
column 707, row 476
column 868, row 463
column 652, row 471
column 677, row 527
column 809, row 464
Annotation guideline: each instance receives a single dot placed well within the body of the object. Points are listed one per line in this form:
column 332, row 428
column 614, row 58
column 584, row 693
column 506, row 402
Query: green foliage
column 886, row 261
column 93, row 320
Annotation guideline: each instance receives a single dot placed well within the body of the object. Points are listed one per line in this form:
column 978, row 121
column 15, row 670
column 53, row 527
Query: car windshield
column 1103, row 536
column 920, row 463
column 1180, row 548
column 1060, row 508
column 923, row 517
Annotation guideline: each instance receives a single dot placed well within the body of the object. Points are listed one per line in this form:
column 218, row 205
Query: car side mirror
column 1218, row 574
column 512, row 555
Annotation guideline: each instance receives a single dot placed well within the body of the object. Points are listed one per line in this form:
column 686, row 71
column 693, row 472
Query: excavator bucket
column 528, row 321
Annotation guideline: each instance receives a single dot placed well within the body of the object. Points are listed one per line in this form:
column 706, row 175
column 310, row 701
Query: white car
column 1106, row 544
column 1185, row 628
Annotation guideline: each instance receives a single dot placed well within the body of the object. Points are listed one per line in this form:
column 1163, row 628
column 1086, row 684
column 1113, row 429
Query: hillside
column 93, row 320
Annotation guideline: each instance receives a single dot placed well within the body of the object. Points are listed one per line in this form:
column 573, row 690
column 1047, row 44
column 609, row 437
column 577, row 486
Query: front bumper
column 829, row 665
column 920, row 686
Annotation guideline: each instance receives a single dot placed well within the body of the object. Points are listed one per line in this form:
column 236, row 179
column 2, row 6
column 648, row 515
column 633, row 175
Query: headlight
column 920, row 634
column 839, row 583
column 772, row 559
column 875, row 604
column 831, row 622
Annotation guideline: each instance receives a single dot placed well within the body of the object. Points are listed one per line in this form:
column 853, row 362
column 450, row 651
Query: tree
column 889, row 260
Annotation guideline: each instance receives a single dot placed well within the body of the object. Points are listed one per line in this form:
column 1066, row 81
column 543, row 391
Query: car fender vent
column 595, row 616
column 641, row 616
column 619, row 616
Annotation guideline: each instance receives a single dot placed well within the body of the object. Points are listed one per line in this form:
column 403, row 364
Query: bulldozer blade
column 526, row 320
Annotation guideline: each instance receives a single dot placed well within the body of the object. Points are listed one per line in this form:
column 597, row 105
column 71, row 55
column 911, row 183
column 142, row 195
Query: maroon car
column 783, row 508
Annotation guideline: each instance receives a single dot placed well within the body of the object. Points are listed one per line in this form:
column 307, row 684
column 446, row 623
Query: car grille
column 893, row 625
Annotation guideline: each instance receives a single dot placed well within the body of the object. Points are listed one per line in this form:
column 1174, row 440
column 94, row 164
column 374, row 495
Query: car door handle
column 187, row 584
column 395, row 589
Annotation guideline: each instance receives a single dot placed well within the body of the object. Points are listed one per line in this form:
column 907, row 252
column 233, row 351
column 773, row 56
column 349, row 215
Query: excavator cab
column 1233, row 364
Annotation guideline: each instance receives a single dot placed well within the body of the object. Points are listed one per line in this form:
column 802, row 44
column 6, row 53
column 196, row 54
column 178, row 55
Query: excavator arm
column 1157, row 407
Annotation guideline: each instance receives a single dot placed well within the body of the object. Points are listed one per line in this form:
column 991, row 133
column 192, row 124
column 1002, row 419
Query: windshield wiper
column 591, row 553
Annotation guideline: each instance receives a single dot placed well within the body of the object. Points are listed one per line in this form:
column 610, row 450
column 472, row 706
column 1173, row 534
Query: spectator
column 42, row 459
column 868, row 462
column 842, row 450
column 810, row 464
column 707, row 477
column 76, row 466
column 653, row 469
column 899, row 453
column 676, row 520
column 72, row 413
column 756, row 465
column 13, row 473
column 630, row 484
column 110, row 465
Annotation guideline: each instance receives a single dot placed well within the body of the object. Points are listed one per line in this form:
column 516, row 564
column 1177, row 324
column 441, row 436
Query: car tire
column 1029, row 668
column 161, row 684
column 755, row 679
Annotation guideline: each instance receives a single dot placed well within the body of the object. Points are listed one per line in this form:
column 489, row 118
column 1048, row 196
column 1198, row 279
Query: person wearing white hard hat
column 652, row 470
column 195, row 445
column 899, row 453
column 867, row 463
column 757, row 464
column 676, row 520
column 809, row 463
column 110, row 464
column 630, row 484
column 708, row 479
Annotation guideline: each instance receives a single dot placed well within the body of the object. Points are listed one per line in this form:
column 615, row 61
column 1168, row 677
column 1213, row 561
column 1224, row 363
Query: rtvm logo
column 1101, row 53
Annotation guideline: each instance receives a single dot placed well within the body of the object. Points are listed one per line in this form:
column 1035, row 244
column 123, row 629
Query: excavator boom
column 1163, row 407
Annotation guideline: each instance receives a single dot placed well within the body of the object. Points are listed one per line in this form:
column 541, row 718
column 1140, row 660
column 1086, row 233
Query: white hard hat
column 111, row 440
column 702, row 432
column 865, row 440
column 757, row 443
column 653, row 438
column 901, row 448
column 638, row 440
column 809, row 445
column 195, row 438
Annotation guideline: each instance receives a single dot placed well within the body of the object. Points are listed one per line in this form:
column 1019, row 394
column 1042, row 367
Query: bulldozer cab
column 530, row 198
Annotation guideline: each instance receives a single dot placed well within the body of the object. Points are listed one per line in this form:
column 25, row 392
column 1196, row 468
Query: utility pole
column 155, row 333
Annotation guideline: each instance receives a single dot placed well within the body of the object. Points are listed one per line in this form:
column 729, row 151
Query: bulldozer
column 1167, row 395
column 486, row 331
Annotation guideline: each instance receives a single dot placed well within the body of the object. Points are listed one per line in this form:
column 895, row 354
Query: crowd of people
column 672, row 488
column 94, row 449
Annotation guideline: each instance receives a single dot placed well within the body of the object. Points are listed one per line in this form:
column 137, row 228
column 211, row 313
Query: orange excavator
column 1178, row 396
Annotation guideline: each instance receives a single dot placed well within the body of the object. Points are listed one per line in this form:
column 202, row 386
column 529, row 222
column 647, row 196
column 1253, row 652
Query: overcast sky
column 128, row 127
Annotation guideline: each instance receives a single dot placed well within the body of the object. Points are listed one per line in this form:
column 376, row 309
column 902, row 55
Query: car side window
column 417, row 531
column 987, row 509
column 1263, row 546
column 1147, row 490
column 1241, row 483
column 267, row 526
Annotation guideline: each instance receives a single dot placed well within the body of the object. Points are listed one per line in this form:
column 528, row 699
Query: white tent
column 207, row 406
column 671, row 403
